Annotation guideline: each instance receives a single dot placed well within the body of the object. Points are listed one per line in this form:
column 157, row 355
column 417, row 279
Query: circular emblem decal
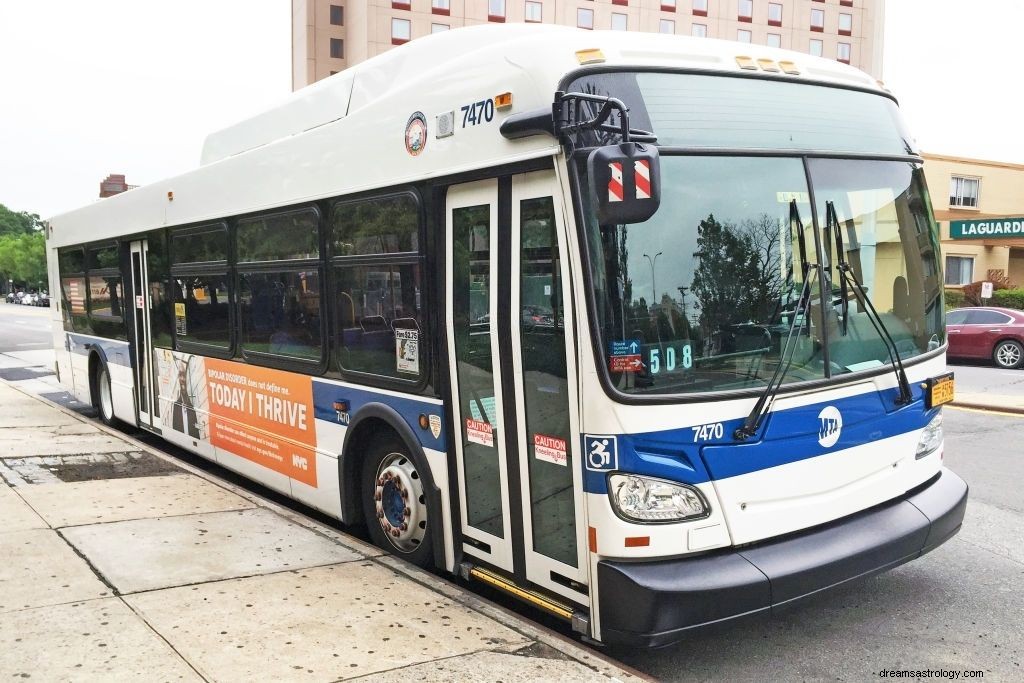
column 830, row 424
column 416, row 133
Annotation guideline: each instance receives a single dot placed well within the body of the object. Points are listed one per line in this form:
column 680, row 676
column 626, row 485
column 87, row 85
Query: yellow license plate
column 940, row 391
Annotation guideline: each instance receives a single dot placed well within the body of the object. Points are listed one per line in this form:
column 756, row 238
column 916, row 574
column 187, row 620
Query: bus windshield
column 704, row 295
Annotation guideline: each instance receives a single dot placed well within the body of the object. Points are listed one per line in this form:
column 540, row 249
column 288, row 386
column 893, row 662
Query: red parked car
column 985, row 332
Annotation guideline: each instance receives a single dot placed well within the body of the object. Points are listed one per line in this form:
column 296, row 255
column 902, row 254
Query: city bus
column 644, row 330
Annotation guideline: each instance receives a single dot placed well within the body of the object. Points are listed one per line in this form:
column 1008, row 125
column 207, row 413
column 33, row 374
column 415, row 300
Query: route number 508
column 672, row 360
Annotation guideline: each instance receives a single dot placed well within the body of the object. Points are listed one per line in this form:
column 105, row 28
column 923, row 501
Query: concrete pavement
column 120, row 563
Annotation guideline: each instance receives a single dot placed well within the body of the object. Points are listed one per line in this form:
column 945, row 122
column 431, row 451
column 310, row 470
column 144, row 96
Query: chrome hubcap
column 1008, row 354
column 400, row 504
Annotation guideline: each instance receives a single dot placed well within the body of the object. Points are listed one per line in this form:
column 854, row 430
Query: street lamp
column 652, row 262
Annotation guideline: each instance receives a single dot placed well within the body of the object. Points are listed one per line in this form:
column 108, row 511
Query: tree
column 728, row 267
column 22, row 249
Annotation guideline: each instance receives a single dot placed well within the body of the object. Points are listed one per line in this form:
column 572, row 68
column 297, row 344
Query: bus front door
column 514, row 387
column 141, row 339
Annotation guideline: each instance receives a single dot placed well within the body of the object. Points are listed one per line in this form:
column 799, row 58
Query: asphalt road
column 958, row 608
column 985, row 378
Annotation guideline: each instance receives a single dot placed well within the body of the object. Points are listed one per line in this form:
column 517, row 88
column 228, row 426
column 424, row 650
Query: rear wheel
column 104, row 396
column 395, row 505
column 1008, row 354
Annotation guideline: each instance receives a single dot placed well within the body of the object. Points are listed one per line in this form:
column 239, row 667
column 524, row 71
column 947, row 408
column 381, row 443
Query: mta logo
column 830, row 425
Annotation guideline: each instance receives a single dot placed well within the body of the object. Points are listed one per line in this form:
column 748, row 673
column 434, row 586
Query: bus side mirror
column 625, row 182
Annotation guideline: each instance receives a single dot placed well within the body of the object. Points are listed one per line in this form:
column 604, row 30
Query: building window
column 620, row 2
column 337, row 15
column 668, row 5
column 666, row 26
column 743, row 35
column 401, row 4
column 845, row 24
column 817, row 20
column 534, row 11
column 337, row 48
column 585, row 18
column 745, row 10
column 401, row 31
column 700, row 8
column 815, row 48
column 843, row 52
column 441, row 7
column 774, row 40
column 496, row 10
column 963, row 191
column 774, row 14
column 619, row 22
column 439, row 28
column 846, row 3
column 959, row 270
column 699, row 31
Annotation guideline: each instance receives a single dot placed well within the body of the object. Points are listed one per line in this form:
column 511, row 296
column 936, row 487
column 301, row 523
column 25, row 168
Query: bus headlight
column 931, row 438
column 641, row 499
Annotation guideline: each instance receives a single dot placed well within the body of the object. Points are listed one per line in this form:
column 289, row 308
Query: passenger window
column 956, row 317
column 378, row 284
column 987, row 318
column 279, row 285
column 106, row 296
column 71, row 264
column 201, row 291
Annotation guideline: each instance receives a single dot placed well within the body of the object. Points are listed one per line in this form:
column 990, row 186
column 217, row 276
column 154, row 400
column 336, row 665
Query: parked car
column 987, row 332
column 42, row 299
column 28, row 300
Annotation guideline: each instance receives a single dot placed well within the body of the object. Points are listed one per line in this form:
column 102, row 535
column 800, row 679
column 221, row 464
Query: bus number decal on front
column 708, row 432
column 672, row 358
column 477, row 113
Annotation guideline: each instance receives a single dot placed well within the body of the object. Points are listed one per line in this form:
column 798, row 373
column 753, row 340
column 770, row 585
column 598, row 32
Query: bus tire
column 396, row 508
column 104, row 395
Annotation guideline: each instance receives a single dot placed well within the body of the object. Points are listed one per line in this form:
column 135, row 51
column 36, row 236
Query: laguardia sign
column 987, row 229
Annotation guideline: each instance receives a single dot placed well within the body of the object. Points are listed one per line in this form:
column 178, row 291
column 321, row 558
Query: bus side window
column 378, row 299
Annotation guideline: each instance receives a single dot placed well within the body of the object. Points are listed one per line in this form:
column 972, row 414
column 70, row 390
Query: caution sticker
column 550, row 449
column 479, row 432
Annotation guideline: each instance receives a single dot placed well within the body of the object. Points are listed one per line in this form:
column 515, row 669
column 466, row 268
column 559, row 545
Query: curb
column 988, row 407
column 596, row 661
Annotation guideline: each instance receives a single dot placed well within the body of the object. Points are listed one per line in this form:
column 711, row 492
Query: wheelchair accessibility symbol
column 602, row 452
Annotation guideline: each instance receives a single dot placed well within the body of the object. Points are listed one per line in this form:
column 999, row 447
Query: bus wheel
column 394, row 503
column 104, row 396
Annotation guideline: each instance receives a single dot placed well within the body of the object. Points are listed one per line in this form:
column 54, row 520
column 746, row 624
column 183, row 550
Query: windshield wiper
column 801, row 312
column 846, row 274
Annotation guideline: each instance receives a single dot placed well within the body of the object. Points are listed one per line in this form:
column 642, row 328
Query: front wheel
column 1008, row 354
column 395, row 505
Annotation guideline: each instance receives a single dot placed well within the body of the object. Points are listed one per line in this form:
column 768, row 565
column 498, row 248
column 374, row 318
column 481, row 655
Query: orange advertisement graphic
column 262, row 415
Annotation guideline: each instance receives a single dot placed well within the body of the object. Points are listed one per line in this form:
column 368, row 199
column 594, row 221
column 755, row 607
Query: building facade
column 981, row 218
column 328, row 36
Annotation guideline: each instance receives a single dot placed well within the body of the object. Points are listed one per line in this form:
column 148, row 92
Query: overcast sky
column 89, row 88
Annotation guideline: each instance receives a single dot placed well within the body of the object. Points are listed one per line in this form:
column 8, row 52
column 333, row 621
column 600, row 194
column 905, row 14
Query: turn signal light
column 592, row 56
column 503, row 101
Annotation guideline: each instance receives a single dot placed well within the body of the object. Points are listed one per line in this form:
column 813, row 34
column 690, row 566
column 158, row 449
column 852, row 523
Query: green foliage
column 18, row 223
column 22, row 249
column 23, row 259
column 1009, row 298
column 954, row 299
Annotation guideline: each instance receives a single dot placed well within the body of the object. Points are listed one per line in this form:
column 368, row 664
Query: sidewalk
column 122, row 564
column 985, row 401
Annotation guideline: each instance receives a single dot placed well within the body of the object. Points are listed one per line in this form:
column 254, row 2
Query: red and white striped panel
column 642, row 169
column 615, row 184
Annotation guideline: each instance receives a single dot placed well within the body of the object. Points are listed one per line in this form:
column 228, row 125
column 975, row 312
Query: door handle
column 993, row 330
column 953, row 331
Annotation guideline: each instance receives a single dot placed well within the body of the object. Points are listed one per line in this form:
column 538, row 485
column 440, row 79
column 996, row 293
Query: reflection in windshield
column 702, row 296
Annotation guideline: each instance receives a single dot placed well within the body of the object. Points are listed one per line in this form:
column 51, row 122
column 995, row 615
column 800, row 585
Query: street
column 957, row 608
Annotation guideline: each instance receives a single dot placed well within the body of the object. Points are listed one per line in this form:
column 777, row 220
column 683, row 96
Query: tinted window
column 104, row 258
column 956, row 317
column 161, row 307
column 981, row 317
column 201, row 309
column 71, row 261
column 279, row 237
column 280, row 313
column 378, row 226
column 201, row 245
column 379, row 319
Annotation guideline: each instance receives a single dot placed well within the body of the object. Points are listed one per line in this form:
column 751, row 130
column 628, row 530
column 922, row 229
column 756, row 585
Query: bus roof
column 347, row 132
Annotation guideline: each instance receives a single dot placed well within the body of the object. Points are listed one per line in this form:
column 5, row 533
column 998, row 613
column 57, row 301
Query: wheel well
column 94, row 367
column 364, row 434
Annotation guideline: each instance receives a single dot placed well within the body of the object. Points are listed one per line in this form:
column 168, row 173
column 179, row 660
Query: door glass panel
column 545, row 387
column 140, row 337
column 473, row 324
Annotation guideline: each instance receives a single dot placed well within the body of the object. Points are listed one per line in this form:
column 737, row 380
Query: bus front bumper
column 650, row 604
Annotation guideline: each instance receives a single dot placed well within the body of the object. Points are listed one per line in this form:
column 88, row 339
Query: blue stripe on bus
column 115, row 350
column 788, row 436
column 325, row 393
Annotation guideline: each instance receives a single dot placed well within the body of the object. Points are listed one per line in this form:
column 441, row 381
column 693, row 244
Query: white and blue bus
column 642, row 329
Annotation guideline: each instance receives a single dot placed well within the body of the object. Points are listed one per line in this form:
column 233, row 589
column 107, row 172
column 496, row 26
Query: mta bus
column 645, row 330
